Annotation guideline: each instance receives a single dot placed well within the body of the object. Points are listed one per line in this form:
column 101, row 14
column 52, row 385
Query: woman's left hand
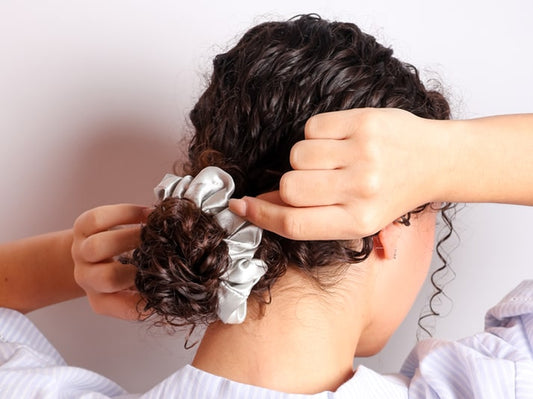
column 356, row 171
column 100, row 235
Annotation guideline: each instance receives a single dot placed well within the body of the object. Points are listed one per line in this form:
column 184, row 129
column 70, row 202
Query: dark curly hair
column 259, row 97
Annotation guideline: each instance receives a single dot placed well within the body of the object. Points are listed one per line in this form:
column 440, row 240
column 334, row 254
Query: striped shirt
column 495, row 364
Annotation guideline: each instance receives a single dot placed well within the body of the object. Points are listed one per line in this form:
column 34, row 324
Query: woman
column 312, row 305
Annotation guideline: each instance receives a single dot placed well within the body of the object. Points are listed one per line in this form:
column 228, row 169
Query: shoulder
column 30, row 367
column 19, row 334
column 496, row 363
column 517, row 306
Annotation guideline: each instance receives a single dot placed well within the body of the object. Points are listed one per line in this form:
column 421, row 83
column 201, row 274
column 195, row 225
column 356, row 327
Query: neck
column 304, row 342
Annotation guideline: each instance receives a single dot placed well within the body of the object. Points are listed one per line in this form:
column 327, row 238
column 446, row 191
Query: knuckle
column 102, row 280
column 88, row 250
column 370, row 185
column 349, row 231
column 81, row 222
column 75, row 250
column 259, row 214
column 93, row 220
column 256, row 212
column 291, row 227
column 284, row 188
column 96, row 219
column 311, row 126
column 287, row 189
column 367, row 223
column 295, row 156
column 108, row 280
column 84, row 223
column 368, row 148
column 79, row 276
column 370, row 121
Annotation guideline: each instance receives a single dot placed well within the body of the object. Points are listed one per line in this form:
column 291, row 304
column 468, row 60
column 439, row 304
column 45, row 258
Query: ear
column 386, row 242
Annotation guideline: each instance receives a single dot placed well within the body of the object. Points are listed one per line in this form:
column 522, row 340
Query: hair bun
column 180, row 260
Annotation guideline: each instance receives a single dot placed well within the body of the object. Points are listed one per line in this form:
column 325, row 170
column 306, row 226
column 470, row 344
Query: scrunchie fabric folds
column 210, row 191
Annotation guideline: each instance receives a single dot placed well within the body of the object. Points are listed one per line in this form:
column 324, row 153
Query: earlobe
column 386, row 241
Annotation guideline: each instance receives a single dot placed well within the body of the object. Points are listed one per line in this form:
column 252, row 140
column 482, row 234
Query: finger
column 107, row 216
column 106, row 277
column 273, row 197
column 105, row 245
column 320, row 154
column 315, row 187
column 126, row 305
column 312, row 223
column 332, row 125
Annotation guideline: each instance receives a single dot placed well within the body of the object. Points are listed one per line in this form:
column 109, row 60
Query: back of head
column 260, row 95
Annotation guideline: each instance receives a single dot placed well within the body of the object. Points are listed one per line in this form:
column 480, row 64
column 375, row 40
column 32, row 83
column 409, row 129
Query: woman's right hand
column 100, row 235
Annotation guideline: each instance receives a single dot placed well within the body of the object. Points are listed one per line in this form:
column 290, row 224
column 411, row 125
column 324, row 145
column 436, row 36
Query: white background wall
column 93, row 103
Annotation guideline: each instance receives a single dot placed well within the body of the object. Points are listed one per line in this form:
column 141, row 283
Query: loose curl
column 260, row 95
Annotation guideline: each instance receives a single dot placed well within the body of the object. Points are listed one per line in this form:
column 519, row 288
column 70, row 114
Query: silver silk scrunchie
column 210, row 191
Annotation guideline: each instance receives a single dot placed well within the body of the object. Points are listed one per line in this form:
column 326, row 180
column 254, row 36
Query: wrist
column 442, row 159
column 458, row 152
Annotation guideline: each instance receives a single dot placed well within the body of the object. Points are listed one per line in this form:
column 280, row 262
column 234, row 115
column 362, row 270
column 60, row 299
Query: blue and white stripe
column 190, row 382
column 30, row 367
column 495, row 364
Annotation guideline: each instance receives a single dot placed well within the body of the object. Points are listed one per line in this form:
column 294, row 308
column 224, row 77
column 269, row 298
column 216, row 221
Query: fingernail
column 238, row 206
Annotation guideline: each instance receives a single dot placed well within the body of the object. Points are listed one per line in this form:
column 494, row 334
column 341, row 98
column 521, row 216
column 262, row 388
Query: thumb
column 246, row 205
column 267, row 211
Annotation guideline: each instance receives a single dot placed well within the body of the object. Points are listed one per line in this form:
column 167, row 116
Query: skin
column 98, row 239
column 359, row 146
column 397, row 278
column 37, row 271
column 349, row 186
column 357, row 316
column 46, row 269
column 347, row 170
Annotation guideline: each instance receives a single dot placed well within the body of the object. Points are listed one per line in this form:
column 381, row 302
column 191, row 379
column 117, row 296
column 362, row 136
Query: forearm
column 490, row 160
column 37, row 271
